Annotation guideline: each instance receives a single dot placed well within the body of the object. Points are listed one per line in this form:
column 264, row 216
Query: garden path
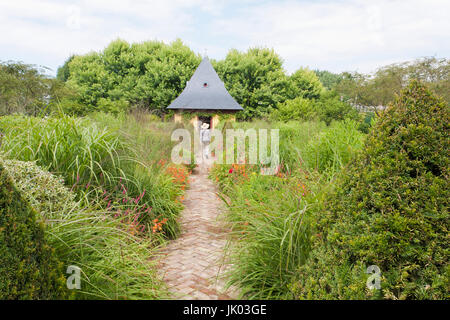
column 192, row 264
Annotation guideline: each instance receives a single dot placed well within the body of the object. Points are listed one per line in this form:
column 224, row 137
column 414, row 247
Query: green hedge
column 390, row 209
column 28, row 268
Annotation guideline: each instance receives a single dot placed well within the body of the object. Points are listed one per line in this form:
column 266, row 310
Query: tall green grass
column 270, row 239
column 93, row 154
column 334, row 147
column 271, row 215
column 149, row 137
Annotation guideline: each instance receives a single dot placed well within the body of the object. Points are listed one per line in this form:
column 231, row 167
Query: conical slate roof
column 205, row 91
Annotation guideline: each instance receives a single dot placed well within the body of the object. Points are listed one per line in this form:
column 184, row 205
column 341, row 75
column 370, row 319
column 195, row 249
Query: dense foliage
column 114, row 266
column 151, row 74
column 255, row 78
column 27, row 89
column 147, row 75
column 305, row 83
column 328, row 79
column 390, row 209
column 28, row 266
column 327, row 107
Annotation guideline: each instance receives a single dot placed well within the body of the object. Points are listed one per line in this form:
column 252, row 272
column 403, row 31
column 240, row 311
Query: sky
column 339, row 35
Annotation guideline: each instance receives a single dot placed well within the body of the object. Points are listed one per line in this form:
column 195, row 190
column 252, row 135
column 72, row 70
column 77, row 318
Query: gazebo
column 204, row 97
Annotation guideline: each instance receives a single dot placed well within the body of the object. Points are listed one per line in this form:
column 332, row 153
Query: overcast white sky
column 335, row 35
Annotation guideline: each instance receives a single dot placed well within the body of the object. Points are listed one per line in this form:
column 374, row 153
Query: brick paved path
column 192, row 264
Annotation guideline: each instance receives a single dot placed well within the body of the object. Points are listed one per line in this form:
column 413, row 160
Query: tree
column 63, row 73
column 296, row 109
column 305, row 83
column 149, row 74
column 326, row 108
column 256, row 80
column 381, row 87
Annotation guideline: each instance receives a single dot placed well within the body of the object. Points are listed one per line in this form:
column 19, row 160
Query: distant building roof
column 205, row 91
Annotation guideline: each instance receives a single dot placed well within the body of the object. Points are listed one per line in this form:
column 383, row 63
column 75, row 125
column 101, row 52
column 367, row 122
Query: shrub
column 72, row 107
column 112, row 106
column 390, row 209
column 28, row 266
column 331, row 108
column 45, row 192
column 327, row 108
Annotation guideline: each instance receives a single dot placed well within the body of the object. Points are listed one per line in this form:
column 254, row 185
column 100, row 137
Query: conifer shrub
column 389, row 208
column 28, row 266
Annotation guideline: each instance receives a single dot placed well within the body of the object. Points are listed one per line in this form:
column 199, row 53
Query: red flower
column 231, row 170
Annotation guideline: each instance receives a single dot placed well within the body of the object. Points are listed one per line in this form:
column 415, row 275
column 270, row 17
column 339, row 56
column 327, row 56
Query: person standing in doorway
column 205, row 138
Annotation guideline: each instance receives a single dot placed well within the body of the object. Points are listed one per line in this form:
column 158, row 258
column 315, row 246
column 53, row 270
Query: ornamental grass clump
column 389, row 208
column 114, row 262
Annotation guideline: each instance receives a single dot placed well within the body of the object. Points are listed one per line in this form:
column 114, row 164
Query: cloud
column 334, row 35
column 343, row 34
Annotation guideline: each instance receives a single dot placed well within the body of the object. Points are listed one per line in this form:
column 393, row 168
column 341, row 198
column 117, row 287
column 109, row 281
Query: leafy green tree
column 352, row 87
column 330, row 107
column 148, row 75
column 24, row 88
column 89, row 78
column 305, row 83
column 63, row 73
column 381, row 87
column 256, row 80
column 296, row 109
column 151, row 74
column 329, row 80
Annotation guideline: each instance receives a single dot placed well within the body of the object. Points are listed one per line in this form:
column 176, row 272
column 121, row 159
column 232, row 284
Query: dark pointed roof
column 205, row 91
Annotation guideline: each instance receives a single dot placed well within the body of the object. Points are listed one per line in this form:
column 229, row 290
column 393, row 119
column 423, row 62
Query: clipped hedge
column 390, row 209
column 28, row 267
column 44, row 191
